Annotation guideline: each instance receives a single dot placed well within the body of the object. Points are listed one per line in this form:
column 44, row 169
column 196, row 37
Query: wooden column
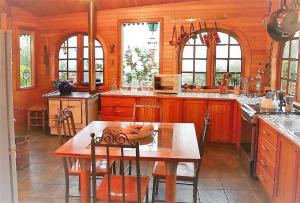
column 92, row 33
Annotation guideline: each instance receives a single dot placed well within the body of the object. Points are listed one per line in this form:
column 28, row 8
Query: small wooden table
column 174, row 142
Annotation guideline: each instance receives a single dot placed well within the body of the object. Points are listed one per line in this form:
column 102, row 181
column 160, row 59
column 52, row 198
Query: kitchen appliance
column 167, row 83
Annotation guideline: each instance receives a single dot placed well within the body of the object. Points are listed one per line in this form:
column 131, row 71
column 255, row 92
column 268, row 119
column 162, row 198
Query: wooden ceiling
column 58, row 7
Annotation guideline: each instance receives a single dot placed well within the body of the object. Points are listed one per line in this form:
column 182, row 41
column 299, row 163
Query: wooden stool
column 37, row 117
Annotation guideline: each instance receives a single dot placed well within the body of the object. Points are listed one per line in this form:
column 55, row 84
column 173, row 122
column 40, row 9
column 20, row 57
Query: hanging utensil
column 200, row 33
column 287, row 21
column 173, row 42
column 205, row 36
column 215, row 35
column 193, row 34
column 182, row 35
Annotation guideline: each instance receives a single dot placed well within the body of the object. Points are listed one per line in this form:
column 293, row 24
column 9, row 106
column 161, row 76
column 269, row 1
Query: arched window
column 289, row 65
column 196, row 66
column 73, row 60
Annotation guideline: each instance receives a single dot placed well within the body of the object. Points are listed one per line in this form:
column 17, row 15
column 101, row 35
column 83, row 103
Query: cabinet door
column 76, row 107
column 172, row 110
column 54, row 107
column 193, row 112
column 221, row 125
column 148, row 114
column 286, row 181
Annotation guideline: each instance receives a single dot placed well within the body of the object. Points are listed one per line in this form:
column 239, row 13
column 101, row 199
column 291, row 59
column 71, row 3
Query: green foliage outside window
column 25, row 61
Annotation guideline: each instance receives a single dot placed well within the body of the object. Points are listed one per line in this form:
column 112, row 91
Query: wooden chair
column 118, row 188
column 66, row 130
column 186, row 171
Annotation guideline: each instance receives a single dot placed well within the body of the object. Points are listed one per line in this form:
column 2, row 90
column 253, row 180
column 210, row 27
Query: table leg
column 85, row 182
column 171, row 181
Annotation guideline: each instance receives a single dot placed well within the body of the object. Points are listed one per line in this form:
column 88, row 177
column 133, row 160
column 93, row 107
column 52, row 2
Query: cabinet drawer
column 117, row 101
column 117, row 111
column 76, row 107
column 266, row 165
column 267, row 132
column 267, row 150
column 115, row 118
column 265, row 180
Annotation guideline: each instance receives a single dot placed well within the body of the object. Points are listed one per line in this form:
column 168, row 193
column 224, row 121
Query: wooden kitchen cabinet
column 83, row 106
column 221, row 121
column 193, row 112
column 171, row 110
column 286, row 179
column 117, row 108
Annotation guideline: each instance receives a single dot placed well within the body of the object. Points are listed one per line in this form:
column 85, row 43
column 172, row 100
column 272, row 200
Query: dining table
column 170, row 142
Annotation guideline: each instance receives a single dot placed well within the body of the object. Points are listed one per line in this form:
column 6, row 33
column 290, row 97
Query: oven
column 249, row 137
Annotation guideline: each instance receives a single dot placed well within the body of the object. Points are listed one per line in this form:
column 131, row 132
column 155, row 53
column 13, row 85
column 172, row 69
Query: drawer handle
column 261, row 177
column 265, row 148
column 263, row 162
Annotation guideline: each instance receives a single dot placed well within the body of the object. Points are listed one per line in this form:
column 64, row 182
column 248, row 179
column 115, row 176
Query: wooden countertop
column 73, row 95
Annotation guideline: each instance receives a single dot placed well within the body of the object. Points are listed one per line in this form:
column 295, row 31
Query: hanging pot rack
column 191, row 19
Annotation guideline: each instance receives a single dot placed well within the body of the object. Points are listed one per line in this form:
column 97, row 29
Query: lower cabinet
column 286, row 179
column 171, row 110
column 221, row 121
column 278, row 167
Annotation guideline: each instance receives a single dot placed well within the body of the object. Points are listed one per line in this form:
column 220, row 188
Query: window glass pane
column 294, row 49
column 72, row 76
column 62, row 66
column 286, row 49
column 200, row 65
column 198, row 41
column 233, row 41
column 201, row 52
column 86, row 65
column 99, row 77
column 98, row 53
column 293, row 70
column 190, row 42
column 72, row 41
column 188, row 52
column 297, row 34
column 187, row 65
column 97, row 43
column 283, row 85
column 62, row 55
column 72, row 53
column 85, row 41
column 62, row 76
column 140, row 50
column 200, row 79
column 25, row 60
column 224, row 38
column 85, row 52
column 292, row 88
column 221, row 65
column 187, row 78
column 99, row 65
column 72, row 65
column 235, row 52
column 222, row 51
column 235, row 66
column 85, row 77
column 285, row 69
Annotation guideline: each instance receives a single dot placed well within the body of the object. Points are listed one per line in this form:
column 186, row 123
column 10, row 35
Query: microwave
column 167, row 83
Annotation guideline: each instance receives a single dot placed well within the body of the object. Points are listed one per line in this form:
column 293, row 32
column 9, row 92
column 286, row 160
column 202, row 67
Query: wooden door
column 172, row 110
column 76, row 107
column 286, row 179
column 221, row 124
column 193, row 112
column 54, row 107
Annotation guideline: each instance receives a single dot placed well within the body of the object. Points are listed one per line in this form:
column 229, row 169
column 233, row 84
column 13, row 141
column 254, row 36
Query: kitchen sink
column 297, row 134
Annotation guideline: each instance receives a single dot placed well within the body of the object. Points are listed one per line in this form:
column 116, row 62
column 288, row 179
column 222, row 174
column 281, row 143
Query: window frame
column 289, row 59
column 120, row 38
column 211, row 56
column 80, row 60
column 32, row 54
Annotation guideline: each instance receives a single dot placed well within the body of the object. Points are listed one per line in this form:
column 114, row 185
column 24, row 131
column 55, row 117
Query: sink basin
column 297, row 134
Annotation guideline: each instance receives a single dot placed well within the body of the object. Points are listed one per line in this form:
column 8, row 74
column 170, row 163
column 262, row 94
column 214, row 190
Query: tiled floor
column 222, row 177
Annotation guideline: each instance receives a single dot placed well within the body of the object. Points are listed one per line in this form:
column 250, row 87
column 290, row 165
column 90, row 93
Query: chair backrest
column 147, row 111
column 118, row 142
column 65, row 131
column 202, row 140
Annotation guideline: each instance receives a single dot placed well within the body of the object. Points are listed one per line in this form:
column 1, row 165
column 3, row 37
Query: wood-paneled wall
column 244, row 18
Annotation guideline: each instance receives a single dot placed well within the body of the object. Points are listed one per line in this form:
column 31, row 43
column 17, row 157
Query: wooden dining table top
column 170, row 142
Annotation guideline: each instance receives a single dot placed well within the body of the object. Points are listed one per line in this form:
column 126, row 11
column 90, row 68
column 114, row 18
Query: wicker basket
column 22, row 151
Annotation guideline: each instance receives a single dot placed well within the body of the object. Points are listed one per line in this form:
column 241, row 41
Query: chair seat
column 185, row 170
column 100, row 167
column 116, row 188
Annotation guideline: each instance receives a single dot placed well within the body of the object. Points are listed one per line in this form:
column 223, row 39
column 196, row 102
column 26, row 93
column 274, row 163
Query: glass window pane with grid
column 26, row 70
